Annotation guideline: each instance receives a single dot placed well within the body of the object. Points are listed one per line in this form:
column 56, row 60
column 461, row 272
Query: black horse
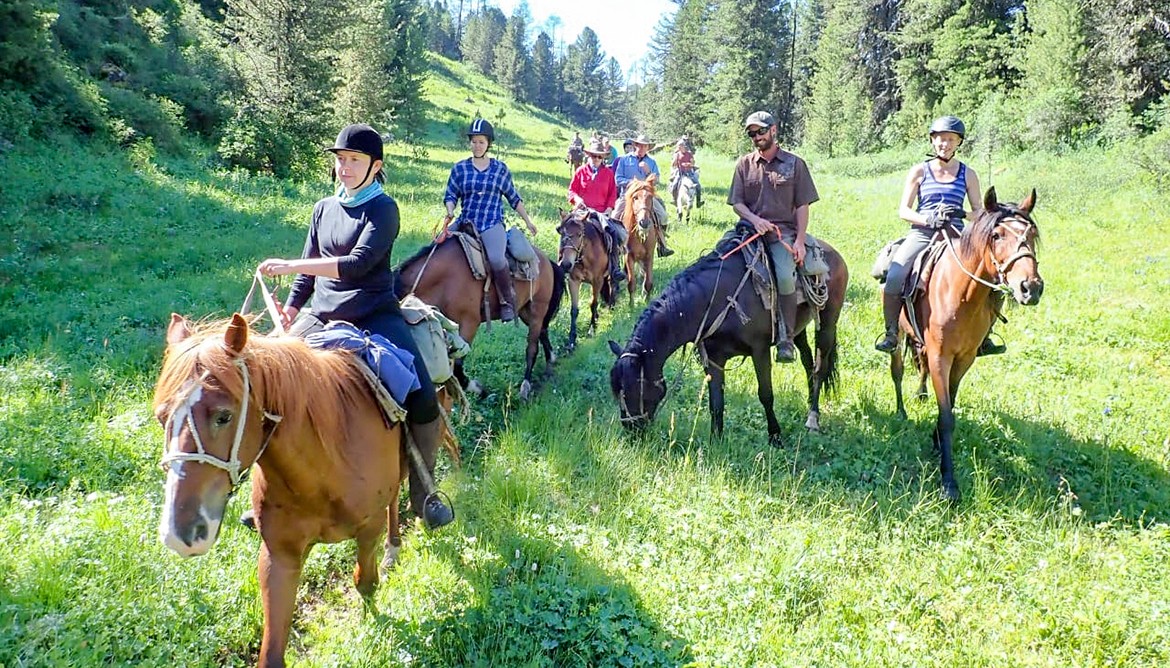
column 712, row 304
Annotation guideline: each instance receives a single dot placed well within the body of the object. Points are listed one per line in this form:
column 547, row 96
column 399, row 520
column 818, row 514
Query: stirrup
column 437, row 514
column 989, row 347
column 887, row 344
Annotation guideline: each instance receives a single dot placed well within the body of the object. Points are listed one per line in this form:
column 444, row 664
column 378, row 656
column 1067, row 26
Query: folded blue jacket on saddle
column 393, row 365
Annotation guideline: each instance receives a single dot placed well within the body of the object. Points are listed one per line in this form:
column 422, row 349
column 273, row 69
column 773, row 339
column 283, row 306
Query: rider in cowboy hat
column 593, row 187
column 638, row 165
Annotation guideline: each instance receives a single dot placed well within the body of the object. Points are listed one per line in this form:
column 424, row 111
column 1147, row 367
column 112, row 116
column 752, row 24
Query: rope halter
column 234, row 468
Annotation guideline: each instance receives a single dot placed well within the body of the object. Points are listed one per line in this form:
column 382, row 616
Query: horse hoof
column 813, row 423
column 775, row 440
column 390, row 558
column 475, row 387
column 950, row 492
column 525, row 390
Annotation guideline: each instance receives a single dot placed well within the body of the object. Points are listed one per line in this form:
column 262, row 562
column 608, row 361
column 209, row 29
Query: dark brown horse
column 712, row 304
column 575, row 156
column 440, row 276
column 584, row 260
column 641, row 221
column 996, row 253
column 327, row 468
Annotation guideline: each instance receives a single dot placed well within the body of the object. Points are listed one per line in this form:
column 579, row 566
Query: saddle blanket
column 473, row 249
column 393, row 366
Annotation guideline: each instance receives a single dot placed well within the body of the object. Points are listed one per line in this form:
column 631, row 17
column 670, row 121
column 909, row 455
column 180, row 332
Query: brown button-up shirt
column 772, row 189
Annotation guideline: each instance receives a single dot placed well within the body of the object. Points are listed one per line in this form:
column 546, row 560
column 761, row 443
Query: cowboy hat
column 595, row 147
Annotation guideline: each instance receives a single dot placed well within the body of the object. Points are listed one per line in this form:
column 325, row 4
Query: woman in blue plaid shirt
column 478, row 183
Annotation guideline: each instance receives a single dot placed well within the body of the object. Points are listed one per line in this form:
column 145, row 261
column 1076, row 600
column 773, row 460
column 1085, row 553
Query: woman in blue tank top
column 939, row 185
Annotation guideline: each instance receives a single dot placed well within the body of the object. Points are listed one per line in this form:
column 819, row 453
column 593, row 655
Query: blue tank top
column 931, row 193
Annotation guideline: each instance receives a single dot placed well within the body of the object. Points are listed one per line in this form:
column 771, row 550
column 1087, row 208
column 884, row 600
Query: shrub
column 17, row 114
column 149, row 116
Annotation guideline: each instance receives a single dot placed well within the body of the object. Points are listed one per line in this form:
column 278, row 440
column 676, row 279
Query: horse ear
column 652, row 179
column 1029, row 202
column 990, row 202
column 237, row 334
column 178, row 330
column 617, row 350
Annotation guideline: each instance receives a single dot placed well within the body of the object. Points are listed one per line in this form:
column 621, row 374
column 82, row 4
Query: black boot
column 503, row 280
column 423, row 501
column 989, row 347
column 663, row 251
column 891, row 309
column 248, row 519
column 785, row 349
column 614, row 262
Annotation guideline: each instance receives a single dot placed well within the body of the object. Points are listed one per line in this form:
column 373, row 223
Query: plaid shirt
column 480, row 192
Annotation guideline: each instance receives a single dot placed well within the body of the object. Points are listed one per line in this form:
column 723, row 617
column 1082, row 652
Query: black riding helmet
column 481, row 127
column 948, row 124
column 360, row 138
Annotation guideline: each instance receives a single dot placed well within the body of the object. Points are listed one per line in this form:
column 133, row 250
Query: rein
column 232, row 466
column 1022, row 251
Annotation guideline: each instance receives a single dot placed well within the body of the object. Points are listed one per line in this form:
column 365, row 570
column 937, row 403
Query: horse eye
column 996, row 236
column 223, row 418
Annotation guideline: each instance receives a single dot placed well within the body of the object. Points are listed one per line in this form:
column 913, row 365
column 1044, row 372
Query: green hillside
column 577, row 544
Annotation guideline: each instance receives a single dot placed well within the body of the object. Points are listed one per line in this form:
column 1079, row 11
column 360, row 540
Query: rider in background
column 611, row 154
column 345, row 268
column 638, row 165
column 771, row 189
column 593, row 187
column 683, row 164
column 478, row 183
column 940, row 184
column 627, row 149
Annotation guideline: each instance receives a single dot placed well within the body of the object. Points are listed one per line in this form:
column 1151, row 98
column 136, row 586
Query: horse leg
column 940, row 375
column 813, row 423
column 574, row 297
column 648, row 275
column 897, row 371
column 393, row 536
column 923, row 373
column 365, row 572
column 762, row 363
column 715, row 397
column 467, row 329
column 630, row 272
column 279, row 575
column 530, row 358
column 593, row 309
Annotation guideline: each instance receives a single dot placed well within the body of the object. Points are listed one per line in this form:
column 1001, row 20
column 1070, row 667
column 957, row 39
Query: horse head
column 1008, row 236
column 572, row 231
column 212, row 437
column 640, row 201
column 638, row 386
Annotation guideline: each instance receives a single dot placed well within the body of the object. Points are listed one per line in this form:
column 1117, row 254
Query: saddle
column 917, row 277
column 521, row 269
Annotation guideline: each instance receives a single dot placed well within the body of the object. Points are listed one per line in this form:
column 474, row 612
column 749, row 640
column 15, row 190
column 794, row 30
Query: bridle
column 574, row 242
column 234, row 468
column 629, row 415
column 1023, row 250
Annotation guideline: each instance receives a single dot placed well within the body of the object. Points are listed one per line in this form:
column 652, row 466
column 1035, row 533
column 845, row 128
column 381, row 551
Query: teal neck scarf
column 360, row 197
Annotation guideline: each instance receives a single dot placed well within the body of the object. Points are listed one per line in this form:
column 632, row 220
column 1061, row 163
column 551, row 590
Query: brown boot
column 891, row 309
column 507, row 293
column 423, row 500
column 785, row 348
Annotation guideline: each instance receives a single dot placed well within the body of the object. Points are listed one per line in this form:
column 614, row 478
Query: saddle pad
column 473, row 249
column 393, row 366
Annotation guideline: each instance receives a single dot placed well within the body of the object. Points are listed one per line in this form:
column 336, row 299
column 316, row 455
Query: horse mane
column 677, row 292
column 635, row 186
column 977, row 237
column 287, row 377
column 399, row 286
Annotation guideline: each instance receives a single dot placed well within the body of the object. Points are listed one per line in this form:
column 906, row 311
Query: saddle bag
column 436, row 336
column 519, row 246
column 881, row 264
column 815, row 263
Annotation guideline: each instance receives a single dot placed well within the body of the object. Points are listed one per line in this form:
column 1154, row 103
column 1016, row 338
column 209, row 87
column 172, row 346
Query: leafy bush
column 148, row 116
column 258, row 145
column 17, row 114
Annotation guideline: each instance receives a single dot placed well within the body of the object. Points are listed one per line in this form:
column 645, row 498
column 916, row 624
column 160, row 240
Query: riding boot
column 614, row 259
column 423, row 500
column 891, row 309
column 663, row 251
column 989, row 347
column 785, row 348
column 507, row 293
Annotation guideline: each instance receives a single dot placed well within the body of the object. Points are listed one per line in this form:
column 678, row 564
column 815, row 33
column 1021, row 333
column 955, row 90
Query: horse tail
column 554, row 301
column 832, row 374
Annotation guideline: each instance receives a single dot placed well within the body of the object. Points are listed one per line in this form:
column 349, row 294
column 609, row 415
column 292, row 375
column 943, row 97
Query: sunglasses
column 752, row 134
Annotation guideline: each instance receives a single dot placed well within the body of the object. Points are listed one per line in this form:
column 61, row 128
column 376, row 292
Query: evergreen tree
column 839, row 113
column 441, row 30
column 685, row 53
column 545, row 82
column 614, row 112
column 512, row 66
column 480, row 35
column 383, row 64
column 1053, row 61
column 584, row 85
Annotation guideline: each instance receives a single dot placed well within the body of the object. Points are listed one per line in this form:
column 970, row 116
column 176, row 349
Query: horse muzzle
column 190, row 526
column 1028, row 292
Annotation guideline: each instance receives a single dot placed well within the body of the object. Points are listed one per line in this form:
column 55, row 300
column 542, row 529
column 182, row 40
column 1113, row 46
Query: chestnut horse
column 583, row 259
column 997, row 254
column 713, row 305
column 440, row 276
column 327, row 467
column 642, row 228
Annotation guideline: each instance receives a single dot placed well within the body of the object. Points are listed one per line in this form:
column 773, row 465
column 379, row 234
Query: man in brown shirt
column 771, row 189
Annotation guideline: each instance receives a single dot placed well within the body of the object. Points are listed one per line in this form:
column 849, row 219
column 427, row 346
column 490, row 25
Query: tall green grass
column 578, row 544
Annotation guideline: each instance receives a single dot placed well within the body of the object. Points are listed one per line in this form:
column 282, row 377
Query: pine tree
column 686, row 56
column 1053, row 61
column 584, row 85
column 545, row 91
column 383, row 63
column 512, row 66
column 480, row 35
column 839, row 114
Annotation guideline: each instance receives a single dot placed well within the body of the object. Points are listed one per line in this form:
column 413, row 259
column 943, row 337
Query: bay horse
column 575, row 156
column 440, row 276
column 713, row 305
column 997, row 254
column 583, row 259
column 327, row 466
column 684, row 198
column 642, row 223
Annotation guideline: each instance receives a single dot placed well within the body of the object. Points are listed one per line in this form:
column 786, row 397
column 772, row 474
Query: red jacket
column 598, row 190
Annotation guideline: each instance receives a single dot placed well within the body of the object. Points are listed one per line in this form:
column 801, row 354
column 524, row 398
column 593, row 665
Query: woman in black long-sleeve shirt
column 345, row 268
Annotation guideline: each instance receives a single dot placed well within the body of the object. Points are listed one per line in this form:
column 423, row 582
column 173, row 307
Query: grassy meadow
column 577, row 544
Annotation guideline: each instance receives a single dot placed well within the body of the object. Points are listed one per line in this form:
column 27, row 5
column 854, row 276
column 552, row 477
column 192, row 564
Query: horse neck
column 667, row 329
column 957, row 272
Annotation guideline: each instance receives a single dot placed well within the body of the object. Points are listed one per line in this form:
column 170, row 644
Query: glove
column 941, row 216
